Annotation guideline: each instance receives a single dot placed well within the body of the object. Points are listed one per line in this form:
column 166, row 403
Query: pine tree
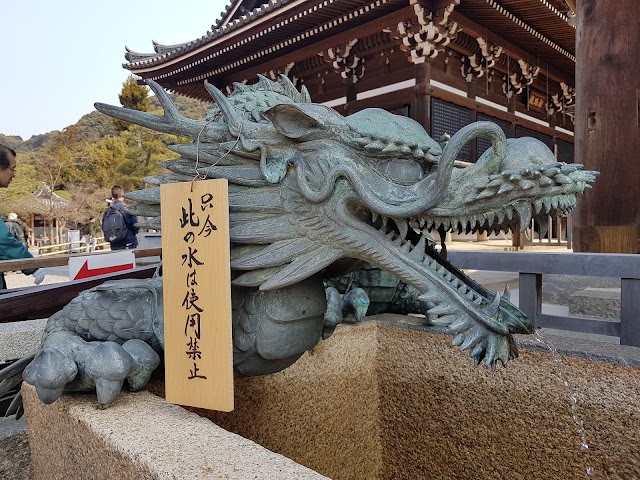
column 134, row 97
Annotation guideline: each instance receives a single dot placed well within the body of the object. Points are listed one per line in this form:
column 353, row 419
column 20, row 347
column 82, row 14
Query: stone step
column 595, row 302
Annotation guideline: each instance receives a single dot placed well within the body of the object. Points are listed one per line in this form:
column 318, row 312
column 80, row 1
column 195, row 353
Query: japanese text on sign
column 190, row 224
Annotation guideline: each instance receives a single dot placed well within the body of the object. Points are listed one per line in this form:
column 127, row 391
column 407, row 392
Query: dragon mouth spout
column 482, row 321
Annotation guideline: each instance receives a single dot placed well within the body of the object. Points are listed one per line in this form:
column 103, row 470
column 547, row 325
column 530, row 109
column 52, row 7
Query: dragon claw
column 49, row 372
column 351, row 307
column 68, row 363
column 108, row 365
column 486, row 346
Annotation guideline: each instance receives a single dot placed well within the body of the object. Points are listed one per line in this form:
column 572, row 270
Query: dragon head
column 310, row 188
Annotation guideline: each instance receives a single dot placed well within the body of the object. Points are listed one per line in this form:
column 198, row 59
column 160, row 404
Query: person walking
column 118, row 225
column 16, row 229
column 90, row 232
column 10, row 247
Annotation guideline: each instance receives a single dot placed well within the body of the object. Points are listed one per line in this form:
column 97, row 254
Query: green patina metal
column 314, row 195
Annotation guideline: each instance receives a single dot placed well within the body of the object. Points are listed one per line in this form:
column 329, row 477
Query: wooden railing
column 34, row 302
column 530, row 268
column 70, row 247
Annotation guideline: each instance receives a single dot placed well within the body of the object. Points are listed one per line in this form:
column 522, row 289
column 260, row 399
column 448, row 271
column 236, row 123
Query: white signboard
column 88, row 266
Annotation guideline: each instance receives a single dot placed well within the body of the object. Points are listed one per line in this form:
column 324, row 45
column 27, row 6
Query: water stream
column 571, row 392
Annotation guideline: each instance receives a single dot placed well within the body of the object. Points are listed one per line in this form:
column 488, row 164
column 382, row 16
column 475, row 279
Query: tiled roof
column 219, row 29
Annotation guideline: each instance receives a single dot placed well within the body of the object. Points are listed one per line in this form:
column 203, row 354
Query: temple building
column 444, row 63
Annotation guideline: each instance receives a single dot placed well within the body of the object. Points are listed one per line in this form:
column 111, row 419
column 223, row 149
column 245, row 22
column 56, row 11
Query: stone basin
column 385, row 399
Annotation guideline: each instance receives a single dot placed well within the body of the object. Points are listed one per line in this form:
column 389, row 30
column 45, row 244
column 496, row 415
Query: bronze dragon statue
column 313, row 195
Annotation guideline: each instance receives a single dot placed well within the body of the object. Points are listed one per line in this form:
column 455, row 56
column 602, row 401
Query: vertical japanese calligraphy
column 197, row 294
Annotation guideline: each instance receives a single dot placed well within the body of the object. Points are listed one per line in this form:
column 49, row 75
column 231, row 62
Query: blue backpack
column 113, row 226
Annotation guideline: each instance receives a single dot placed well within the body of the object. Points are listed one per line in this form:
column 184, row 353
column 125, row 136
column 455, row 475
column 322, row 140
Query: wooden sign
column 198, row 348
column 537, row 101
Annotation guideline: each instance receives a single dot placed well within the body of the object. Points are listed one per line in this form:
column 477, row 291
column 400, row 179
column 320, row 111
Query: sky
column 60, row 57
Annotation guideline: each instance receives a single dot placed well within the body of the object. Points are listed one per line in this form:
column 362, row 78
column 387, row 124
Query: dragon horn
column 507, row 292
column 233, row 117
column 492, row 309
column 236, row 123
column 292, row 92
column 172, row 121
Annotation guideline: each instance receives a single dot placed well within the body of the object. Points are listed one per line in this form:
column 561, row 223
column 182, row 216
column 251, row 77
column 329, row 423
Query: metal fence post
column 630, row 312
column 530, row 295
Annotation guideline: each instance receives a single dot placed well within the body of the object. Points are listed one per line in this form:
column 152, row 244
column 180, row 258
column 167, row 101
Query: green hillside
column 94, row 125
column 85, row 159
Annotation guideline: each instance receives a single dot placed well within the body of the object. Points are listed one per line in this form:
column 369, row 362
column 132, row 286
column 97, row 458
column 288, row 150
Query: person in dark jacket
column 10, row 247
column 131, row 241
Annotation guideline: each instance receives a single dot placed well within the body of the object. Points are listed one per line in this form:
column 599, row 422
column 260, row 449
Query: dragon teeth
column 524, row 210
column 538, row 204
column 402, row 225
column 509, row 213
column 417, row 253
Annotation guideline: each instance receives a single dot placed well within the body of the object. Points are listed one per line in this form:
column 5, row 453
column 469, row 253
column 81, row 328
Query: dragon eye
column 403, row 172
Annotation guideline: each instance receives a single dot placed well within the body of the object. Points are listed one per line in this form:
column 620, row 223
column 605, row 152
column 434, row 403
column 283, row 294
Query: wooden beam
column 44, row 300
column 63, row 259
column 363, row 30
column 475, row 30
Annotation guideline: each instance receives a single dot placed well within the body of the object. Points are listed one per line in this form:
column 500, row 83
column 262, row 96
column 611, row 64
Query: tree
column 22, row 186
column 134, row 97
column 100, row 160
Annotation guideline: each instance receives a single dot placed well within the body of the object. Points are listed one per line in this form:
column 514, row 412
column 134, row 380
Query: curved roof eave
column 142, row 61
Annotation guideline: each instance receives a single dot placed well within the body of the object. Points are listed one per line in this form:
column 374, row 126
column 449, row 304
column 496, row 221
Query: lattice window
column 484, row 143
column 525, row 132
column 448, row 118
column 565, row 151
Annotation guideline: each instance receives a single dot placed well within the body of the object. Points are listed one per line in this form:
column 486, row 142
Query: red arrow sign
column 86, row 272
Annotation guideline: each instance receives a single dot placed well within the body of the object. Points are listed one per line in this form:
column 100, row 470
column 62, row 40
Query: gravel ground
column 20, row 280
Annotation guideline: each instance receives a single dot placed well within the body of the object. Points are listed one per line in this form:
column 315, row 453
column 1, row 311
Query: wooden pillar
column 351, row 96
column 423, row 96
column 32, row 226
column 516, row 236
column 607, row 125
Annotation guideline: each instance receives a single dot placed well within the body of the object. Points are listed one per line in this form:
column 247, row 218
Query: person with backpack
column 118, row 225
column 16, row 229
